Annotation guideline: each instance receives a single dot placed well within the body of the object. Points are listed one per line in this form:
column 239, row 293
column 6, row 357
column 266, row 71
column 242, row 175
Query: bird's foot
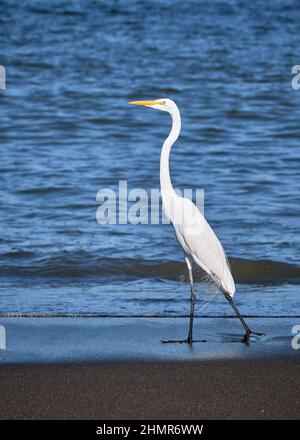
column 182, row 341
column 246, row 338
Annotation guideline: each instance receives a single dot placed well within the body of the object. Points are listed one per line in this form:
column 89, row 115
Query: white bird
column 197, row 239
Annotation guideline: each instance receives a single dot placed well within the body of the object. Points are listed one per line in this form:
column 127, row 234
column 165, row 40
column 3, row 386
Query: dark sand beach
column 252, row 389
column 117, row 368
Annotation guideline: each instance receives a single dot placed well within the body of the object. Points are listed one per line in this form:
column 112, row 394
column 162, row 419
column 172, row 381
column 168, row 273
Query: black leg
column 189, row 340
column 193, row 301
column 246, row 338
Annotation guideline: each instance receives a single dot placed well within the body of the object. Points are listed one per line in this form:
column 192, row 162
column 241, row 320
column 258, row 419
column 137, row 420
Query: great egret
column 196, row 237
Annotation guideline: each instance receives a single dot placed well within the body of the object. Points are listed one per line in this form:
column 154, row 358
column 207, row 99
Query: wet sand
column 118, row 369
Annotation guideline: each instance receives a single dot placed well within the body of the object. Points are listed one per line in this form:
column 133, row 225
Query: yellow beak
column 146, row 103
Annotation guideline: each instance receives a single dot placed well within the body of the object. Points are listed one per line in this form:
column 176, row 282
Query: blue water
column 67, row 131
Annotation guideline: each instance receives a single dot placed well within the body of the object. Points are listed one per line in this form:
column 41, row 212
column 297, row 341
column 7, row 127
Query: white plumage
column 200, row 243
column 197, row 239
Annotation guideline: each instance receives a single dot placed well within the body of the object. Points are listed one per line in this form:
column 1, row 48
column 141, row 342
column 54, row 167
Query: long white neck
column 167, row 190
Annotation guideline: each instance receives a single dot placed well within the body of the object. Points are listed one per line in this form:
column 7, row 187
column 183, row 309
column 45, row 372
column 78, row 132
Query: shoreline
column 105, row 369
column 81, row 340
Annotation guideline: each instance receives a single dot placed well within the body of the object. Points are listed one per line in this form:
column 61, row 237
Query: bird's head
column 165, row 104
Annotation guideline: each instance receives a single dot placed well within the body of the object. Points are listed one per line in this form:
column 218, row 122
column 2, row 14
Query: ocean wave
column 82, row 264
